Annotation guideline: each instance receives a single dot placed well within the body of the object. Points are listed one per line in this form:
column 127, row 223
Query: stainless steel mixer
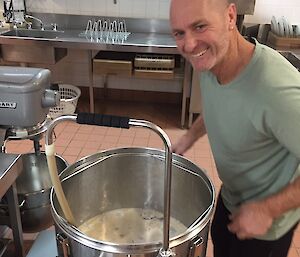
column 25, row 99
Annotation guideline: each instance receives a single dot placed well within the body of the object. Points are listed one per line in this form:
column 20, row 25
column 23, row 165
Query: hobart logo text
column 10, row 105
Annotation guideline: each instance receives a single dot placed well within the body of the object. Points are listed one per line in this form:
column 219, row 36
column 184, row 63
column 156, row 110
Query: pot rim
column 78, row 236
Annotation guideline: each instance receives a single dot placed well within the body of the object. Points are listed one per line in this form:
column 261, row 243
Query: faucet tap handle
column 29, row 25
column 54, row 26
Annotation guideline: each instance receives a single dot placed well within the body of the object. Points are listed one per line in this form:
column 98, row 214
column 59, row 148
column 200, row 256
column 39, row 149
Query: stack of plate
column 283, row 28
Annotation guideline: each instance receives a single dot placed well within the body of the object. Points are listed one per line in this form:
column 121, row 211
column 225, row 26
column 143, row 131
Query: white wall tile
column 152, row 8
column 43, row 6
column 164, row 6
column 86, row 7
column 18, row 4
column 99, row 7
column 138, row 8
column 125, row 8
column 265, row 9
column 60, row 6
column 112, row 9
column 73, row 7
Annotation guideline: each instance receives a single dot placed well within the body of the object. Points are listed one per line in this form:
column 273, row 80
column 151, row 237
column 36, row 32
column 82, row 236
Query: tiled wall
column 123, row 8
column 264, row 9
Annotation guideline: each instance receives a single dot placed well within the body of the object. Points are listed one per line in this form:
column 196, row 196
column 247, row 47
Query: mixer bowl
column 133, row 178
column 33, row 189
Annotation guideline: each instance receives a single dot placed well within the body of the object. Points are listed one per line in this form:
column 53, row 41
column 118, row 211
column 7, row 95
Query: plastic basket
column 68, row 101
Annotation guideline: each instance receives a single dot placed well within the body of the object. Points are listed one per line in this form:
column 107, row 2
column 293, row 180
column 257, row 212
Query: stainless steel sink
column 33, row 33
column 293, row 59
column 37, row 53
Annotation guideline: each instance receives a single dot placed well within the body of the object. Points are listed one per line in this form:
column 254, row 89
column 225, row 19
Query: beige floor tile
column 293, row 252
column 92, row 145
column 82, row 136
column 99, row 130
column 72, row 151
column 77, row 143
column 70, row 158
column 296, row 239
column 126, row 140
column 62, row 142
column 113, row 132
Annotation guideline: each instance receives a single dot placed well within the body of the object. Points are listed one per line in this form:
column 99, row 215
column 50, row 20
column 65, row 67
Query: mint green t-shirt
column 253, row 126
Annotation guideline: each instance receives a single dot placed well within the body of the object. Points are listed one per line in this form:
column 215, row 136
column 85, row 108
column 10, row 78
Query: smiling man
column 251, row 114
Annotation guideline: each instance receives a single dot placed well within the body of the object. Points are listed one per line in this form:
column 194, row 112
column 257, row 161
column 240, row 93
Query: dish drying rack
column 106, row 31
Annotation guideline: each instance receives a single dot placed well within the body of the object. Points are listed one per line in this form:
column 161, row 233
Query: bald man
column 251, row 114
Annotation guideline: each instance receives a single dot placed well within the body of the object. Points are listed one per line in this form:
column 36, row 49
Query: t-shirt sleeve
column 282, row 116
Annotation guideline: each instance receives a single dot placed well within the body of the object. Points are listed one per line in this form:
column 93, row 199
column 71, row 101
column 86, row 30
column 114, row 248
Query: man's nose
column 190, row 43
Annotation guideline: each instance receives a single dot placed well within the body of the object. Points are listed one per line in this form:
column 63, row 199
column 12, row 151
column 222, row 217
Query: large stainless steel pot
column 33, row 189
column 134, row 178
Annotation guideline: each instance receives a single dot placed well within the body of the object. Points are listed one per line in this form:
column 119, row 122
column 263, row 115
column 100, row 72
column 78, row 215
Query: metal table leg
column 185, row 90
column 91, row 81
column 15, row 220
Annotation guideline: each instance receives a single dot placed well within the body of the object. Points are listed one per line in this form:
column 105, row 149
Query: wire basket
column 68, row 101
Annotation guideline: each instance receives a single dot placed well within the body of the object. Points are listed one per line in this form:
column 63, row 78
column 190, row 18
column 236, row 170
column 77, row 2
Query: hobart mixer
column 25, row 99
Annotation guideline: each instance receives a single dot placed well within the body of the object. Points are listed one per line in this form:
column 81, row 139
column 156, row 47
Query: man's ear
column 232, row 15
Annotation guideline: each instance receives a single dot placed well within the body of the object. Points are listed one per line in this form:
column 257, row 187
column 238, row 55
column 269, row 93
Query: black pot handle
column 103, row 120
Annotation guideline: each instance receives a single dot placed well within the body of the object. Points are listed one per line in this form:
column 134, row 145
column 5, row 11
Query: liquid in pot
column 130, row 226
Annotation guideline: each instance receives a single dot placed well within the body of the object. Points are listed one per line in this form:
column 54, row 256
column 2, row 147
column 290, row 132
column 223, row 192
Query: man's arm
column 196, row 131
column 255, row 218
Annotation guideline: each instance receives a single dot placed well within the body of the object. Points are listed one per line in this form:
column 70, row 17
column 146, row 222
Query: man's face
column 202, row 31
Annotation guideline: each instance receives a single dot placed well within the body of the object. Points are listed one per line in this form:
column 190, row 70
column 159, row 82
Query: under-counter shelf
column 154, row 73
column 154, row 66
column 148, row 66
column 36, row 54
column 113, row 63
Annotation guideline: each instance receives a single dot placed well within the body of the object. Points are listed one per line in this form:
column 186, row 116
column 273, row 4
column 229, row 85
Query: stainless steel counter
column 147, row 35
column 10, row 168
column 136, row 42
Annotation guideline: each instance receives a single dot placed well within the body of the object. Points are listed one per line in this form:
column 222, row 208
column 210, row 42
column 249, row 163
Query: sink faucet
column 36, row 19
column 115, row 1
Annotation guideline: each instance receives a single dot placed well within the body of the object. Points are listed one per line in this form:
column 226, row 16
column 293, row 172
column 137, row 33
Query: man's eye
column 178, row 34
column 200, row 27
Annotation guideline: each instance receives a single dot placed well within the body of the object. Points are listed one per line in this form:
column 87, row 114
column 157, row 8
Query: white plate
column 280, row 28
column 286, row 27
column 291, row 29
column 297, row 30
column 274, row 25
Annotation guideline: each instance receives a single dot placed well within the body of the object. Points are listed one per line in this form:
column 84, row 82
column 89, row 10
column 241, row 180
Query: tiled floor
column 75, row 141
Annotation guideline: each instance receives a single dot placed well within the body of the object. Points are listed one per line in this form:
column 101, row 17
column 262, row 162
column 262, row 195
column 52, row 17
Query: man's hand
column 182, row 145
column 190, row 137
column 250, row 220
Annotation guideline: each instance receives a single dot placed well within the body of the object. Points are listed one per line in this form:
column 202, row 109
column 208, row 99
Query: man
column 251, row 112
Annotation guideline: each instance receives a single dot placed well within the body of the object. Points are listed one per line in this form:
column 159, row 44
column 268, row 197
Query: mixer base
column 44, row 245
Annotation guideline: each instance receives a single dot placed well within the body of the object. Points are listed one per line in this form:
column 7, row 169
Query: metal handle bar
column 125, row 122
